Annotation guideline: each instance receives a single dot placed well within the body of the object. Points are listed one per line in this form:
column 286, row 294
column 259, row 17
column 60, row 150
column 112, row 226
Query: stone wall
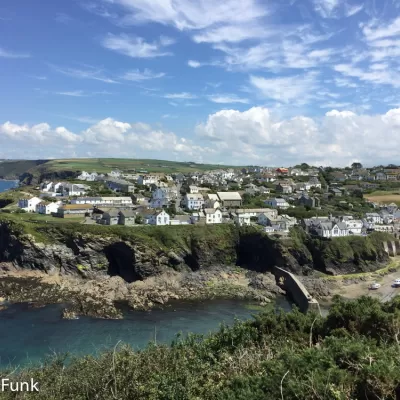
column 392, row 247
column 296, row 291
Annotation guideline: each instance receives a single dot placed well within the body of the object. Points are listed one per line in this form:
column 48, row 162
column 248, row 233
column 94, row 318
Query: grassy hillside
column 169, row 238
column 14, row 169
column 353, row 353
column 103, row 165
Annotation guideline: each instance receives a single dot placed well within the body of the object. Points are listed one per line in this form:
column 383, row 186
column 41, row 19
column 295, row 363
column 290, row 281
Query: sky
column 236, row 82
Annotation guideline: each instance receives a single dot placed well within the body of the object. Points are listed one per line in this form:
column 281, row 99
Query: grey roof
column 128, row 213
column 342, row 226
column 112, row 213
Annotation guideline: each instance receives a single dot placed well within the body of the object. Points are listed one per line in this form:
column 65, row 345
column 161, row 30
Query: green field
column 103, row 165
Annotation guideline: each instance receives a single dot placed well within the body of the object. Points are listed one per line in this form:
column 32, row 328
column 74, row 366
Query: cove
column 29, row 334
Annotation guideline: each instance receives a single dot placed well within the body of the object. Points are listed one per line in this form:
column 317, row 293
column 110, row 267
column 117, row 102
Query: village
column 275, row 199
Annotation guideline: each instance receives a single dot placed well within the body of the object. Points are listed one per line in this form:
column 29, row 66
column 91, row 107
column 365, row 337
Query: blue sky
column 245, row 81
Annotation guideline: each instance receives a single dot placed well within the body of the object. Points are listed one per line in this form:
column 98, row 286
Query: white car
column 375, row 286
column 396, row 283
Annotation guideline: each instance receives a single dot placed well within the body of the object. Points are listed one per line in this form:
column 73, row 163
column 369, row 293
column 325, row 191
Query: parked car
column 396, row 283
column 375, row 286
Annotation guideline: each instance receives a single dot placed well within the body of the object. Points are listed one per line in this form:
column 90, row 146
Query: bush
column 351, row 354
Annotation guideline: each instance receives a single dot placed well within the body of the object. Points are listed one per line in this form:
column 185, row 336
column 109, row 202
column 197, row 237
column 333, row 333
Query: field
column 103, row 165
column 384, row 197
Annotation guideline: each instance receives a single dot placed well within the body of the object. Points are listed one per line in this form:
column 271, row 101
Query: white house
column 331, row 229
column 266, row 216
column 162, row 197
column 212, row 201
column 29, row 204
column 71, row 189
column 193, row 189
column 157, row 218
column 384, row 228
column 46, row 187
column 374, row 217
column 255, row 212
column 85, row 176
column 241, row 219
column 87, row 200
column 57, row 186
column 193, row 201
column 115, row 174
column 147, row 180
column 212, row 215
column 47, row 208
column 277, row 203
column 354, row 226
column 104, row 201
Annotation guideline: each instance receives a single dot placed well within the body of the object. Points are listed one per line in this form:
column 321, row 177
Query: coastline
column 99, row 298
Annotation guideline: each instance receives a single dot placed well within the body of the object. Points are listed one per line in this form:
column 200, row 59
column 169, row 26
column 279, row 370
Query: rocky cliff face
column 93, row 255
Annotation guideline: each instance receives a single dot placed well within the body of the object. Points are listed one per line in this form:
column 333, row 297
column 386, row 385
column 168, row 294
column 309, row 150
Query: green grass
column 216, row 238
column 384, row 192
column 104, row 165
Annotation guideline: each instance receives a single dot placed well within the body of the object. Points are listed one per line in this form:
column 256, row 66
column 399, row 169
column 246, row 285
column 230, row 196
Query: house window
column 336, row 231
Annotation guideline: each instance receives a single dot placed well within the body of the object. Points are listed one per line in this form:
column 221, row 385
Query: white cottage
column 29, row 205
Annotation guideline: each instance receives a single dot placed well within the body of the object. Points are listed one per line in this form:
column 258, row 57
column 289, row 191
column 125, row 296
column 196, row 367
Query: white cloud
column 39, row 132
column 75, row 93
column 104, row 138
column 10, row 54
column 188, row 14
column 340, row 114
column 227, row 99
column 88, row 72
column 194, row 64
column 351, row 10
column 137, row 47
column 180, row 96
column 326, row 8
column 335, row 105
column 336, row 139
column 252, row 136
column 381, row 77
column 138, row 76
column 375, row 30
column 231, row 33
column 297, row 89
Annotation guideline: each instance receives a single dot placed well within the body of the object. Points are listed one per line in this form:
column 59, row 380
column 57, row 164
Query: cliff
column 15, row 169
column 139, row 252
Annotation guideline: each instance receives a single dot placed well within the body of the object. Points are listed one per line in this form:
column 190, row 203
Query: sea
column 5, row 185
column 32, row 334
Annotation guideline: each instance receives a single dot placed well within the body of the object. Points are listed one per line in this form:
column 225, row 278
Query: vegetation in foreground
column 353, row 353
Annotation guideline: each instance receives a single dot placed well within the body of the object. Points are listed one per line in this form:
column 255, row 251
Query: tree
column 356, row 165
column 139, row 219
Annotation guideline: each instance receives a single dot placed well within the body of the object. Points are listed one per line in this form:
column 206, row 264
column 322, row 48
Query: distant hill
column 33, row 172
column 16, row 168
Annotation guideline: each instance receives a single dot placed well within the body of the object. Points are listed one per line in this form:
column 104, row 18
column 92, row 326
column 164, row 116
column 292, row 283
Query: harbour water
column 29, row 334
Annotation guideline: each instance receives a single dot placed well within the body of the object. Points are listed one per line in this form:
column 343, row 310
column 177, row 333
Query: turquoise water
column 4, row 185
column 28, row 334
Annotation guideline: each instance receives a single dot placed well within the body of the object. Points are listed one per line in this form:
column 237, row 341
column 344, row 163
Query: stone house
column 230, row 199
